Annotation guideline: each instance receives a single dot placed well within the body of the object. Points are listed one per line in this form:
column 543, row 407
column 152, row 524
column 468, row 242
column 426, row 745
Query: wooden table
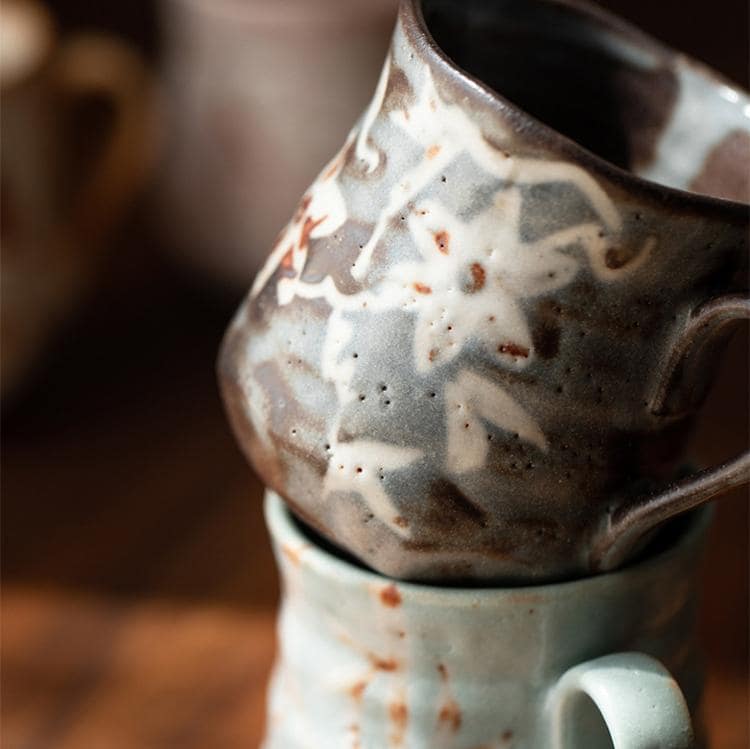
column 138, row 586
column 96, row 672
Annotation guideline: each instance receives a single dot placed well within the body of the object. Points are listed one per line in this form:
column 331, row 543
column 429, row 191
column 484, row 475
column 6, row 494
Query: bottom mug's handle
column 624, row 700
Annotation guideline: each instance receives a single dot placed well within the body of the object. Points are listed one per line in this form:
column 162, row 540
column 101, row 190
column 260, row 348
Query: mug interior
column 602, row 84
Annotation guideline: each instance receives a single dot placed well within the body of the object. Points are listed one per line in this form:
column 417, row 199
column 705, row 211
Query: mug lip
column 289, row 540
column 412, row 19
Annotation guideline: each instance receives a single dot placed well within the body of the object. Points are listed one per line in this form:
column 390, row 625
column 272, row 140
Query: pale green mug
column 366, row 662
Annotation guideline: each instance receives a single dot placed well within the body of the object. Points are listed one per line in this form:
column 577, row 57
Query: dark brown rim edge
column 415, row 27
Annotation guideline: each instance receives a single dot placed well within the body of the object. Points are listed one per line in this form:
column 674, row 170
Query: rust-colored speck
column 304, row 204
column 293, row 555
column 390, row 596
column 442, row 239
column 383, row 664
column 433, row 151
column 615, row 258
column 432, row 355
column 358, row 690
column 335, row 166
column 514, row 349
column 287, row 262
column 421, row 288
column 355, row 729
column 443, row 671
column 507, row 735
column 478, row 278
column 400, row 521
column 399, row 714
column 433, row 105
column 450, row 713
column 307, row 228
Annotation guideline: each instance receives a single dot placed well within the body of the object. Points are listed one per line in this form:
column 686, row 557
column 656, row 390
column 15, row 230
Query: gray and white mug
column 477, row 350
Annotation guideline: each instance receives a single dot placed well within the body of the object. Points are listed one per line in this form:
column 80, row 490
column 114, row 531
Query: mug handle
column 640, row 706
column 631, row 522
column 97, row 65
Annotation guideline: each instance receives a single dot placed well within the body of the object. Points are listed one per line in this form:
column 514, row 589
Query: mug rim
column 287, row 538
column 412, row 18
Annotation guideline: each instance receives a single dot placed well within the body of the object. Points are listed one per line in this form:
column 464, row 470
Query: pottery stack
column 476, row 351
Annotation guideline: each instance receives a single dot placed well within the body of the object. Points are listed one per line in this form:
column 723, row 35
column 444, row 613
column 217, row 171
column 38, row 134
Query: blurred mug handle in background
column 65, row 182
column 98, row 66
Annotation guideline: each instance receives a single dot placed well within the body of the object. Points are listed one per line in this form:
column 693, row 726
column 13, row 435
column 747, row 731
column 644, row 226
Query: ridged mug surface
column 369, row 663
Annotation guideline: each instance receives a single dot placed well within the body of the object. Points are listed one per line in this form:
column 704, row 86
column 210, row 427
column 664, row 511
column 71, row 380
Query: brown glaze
column 398, row 93
column 726, row 170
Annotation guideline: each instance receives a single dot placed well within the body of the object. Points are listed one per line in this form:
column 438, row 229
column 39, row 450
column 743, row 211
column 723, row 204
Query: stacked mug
column 467, row 374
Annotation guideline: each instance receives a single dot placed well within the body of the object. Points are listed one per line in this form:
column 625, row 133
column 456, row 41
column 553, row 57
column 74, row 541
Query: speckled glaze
column 476, row 350
column 368, row 663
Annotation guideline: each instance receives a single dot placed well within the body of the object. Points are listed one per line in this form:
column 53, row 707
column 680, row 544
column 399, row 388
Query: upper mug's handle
column 631, row 522
column 636, row 705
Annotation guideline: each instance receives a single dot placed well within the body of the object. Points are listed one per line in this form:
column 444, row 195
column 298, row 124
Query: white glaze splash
column 472, row 277
column 690, row 135
column 360, row 466
column 323, row 209
column 471, row 400
column 364, row 150
column 448, row 132
column 467, row 285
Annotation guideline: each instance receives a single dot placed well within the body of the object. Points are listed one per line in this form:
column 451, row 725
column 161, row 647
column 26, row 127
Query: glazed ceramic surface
column 476, row 350
column 368, row 663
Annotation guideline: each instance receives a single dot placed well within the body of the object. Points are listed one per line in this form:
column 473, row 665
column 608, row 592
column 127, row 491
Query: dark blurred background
column 138, row 584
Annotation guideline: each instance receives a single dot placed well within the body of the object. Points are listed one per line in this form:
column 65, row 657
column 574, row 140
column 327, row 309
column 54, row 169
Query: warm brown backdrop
column 138, row 586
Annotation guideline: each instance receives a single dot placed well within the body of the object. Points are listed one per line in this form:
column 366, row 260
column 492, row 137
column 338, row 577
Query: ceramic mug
column 368, row 662
column 66, row 177
column 478, row 348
